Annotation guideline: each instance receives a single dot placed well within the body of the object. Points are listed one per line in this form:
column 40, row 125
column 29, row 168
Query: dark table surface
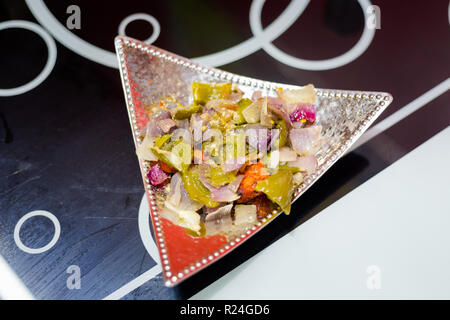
column 66, row 146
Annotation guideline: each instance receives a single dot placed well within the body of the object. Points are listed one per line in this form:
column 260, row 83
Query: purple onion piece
column 276, row 106
column 303, row 112
column 156, row 175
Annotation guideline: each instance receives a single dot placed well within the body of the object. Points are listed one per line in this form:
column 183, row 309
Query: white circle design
column 69, row 39
column 283, row 22
column 29, row 215
column 51, row 59
column 349, row 56
column 144, row 230
column 261, row 39
column 145, row 17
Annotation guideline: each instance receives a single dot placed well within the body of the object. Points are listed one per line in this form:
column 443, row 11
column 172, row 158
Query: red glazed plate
column 149, row 74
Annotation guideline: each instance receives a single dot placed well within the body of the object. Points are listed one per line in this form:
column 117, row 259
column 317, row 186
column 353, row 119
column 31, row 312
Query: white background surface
column 398, row 221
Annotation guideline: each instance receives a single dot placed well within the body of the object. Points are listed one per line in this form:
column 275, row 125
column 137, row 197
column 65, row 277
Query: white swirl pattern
column 349, row 56
column 142, row 16
column 51, row 57
column 261, row 40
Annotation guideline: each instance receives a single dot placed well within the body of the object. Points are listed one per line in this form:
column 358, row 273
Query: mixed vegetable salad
column 226, row 161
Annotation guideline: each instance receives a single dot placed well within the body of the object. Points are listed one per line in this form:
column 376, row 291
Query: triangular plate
column 150, row 74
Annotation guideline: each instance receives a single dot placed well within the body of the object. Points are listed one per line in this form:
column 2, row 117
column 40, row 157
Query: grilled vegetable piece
column 161, row 140
column 182, row 112
column 178, row 154
column 283, row 134
column 245, row 214
column 220, row 178
column 242, row 104
column 204, row 92
column 279, row 188
column 195, row 188
column 166, row 168
column 263, row 206
column 254, row 173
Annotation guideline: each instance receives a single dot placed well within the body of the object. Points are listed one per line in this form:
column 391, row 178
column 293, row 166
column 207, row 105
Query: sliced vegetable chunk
column 279, row 188
column 195, row 188
column 182, row 112
column 204, row 92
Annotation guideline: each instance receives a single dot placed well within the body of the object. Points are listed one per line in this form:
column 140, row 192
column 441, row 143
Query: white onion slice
column 245, row 215
column 305, row 141
column 287, row 154
column 219, row 221
column 306, row 164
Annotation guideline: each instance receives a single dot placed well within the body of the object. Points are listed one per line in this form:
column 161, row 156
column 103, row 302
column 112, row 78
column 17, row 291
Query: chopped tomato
column 247, row 189
column 253, row 173
column 166, row 168
column 257, row 171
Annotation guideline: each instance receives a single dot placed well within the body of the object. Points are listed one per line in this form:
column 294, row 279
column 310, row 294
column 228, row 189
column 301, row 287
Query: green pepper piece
column 182, row 112
column 220, row 178
column 179, row 157
column 282, row 126
column 195, row 188
column 168, row 146
column 161, row 140
column 291, row 169
column 242, row 104
column 278, row 188
column 185, row 152
column 203, row 92
column 168, row 158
